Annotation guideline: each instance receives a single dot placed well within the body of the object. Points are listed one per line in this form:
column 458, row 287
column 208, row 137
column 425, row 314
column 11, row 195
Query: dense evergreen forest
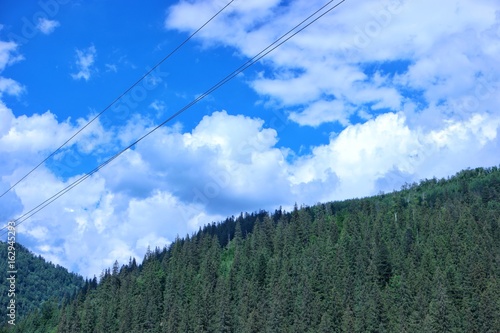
column 37, row 282
column 423, row 259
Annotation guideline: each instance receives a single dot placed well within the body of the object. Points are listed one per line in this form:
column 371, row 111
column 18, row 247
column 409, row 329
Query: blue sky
column 373, row 95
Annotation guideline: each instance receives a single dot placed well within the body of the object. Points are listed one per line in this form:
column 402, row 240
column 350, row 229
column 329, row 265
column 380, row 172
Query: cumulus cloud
column 84, row 63
column 363, row 155
column 33, row 134
column 47, row 26
column 222, row 156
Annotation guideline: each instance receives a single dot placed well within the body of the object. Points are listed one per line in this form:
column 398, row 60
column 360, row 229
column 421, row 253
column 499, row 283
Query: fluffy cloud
column 84, row 63
column 364, row 156
column 47, row 26
column 8, row 54
column 33, row 134
column 376, row 56
column 225, row 156
column 9, row 86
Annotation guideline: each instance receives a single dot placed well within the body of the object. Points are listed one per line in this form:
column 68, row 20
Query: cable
column 118, row 98
column 280, row 41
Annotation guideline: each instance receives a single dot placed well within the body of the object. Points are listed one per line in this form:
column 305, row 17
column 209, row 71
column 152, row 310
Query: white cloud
column 157, row 105
column 47, row 26
column 33, row 134
column 342, row 64
column 10, row 87
column 44, row 133
column 8, row 54
column 363, row 154
column 38, row 232
column 84, row 62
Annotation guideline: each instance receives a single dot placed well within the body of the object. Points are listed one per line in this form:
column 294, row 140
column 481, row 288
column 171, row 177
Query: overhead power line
column 277, row 43
column 119, row 97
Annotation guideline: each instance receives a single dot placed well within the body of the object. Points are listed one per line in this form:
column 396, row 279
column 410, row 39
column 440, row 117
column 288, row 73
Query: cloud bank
column 177, row 181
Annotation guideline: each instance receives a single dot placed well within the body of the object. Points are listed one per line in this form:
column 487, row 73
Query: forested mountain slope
column 36, row 281
column 424, row 259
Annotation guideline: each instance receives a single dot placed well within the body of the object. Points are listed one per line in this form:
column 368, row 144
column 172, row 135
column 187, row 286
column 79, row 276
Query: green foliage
column 227, row 258
column 37, row 281
column 421, row 259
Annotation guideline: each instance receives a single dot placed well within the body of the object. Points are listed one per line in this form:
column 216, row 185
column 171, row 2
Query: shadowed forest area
column 37, row 281
column 422, row 259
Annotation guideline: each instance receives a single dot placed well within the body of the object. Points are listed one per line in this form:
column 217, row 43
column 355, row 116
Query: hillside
column 423, row 259
column 37, row 281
